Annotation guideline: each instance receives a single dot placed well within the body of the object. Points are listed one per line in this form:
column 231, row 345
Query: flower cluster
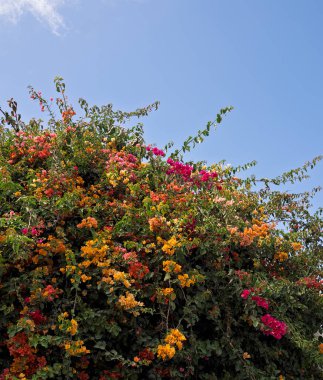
column 273, row 326
column 261, row 302
column 185, row 280
column 76, row 348
column 129, row 303
column 173, row 339
column 89, row 222
column 176, row 167
column 170, row 266
column 155, row 151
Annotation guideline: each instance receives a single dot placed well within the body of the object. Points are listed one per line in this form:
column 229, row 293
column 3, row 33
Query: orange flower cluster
column 185, row 281
column 173, row 338
column 170, row 266
column 281, row 256
column 76, row 348
column 128, row 303
column 89, row 222
column 258, row 229
column 156, row 223
column 67, row 115
column 170, row 245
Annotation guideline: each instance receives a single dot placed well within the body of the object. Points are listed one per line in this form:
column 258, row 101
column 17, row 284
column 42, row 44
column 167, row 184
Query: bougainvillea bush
column 119, row 260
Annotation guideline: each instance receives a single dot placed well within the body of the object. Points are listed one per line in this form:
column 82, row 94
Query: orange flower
column 246, row 355
column 165, row 352
column 89, row 222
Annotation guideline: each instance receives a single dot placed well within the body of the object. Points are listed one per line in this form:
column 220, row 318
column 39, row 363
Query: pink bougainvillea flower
column 245, row 294
column 273, row 326
column 261, row 302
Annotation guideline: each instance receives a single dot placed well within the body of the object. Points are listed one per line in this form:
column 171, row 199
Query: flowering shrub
column 119, row 260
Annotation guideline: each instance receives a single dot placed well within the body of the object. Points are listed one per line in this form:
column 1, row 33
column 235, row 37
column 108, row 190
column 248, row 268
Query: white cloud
column 44, row 10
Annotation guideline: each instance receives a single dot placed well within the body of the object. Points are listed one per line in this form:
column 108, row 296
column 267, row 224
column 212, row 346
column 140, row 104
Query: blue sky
column 195, row 56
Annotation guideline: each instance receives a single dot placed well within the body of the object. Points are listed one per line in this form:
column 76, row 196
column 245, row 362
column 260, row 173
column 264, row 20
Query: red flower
column 37, row 317
column 138, row 270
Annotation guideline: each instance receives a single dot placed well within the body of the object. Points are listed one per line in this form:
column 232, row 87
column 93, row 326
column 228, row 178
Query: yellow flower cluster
column 122, row 277
column 296, row 246
column 185, row 281
column 167, row 291
column 69, row 326
column 165, row 351
column 76, row 348
column 281, row 256
column 72, row 329
column 170, row 266
column 93, row 252
column 173, row 338
column 129, row 302
column 85, row 278
column 169, row 245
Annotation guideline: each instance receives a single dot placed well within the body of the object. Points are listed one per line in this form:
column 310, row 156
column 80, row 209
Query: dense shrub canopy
column 119, row 260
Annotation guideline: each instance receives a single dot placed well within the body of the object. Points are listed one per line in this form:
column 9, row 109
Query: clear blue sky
column 264, row 57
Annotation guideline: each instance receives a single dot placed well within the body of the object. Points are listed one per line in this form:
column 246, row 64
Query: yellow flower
column 122, row 277
column 129, row 302
column 85, row 278
column 167, row 291
column 72, row 329
column 170, row 266
column 296, row 246
column 185, row 281
column 76, row 348
column 165, row 352
column 169, row 245
column 281, row 256
column 175, row 337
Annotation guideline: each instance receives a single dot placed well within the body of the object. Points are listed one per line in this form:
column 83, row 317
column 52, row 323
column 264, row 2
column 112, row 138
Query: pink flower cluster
column 273, row 326
column 205, row 176
column 184, row 170
column 34, row 231
column 156, row 151
column 261, row 302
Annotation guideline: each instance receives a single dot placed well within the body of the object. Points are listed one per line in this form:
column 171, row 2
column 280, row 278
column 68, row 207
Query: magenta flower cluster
column 156, row 151
column 273, row 326
column 261, row 302
column 184, row 170
column 205, row 176
column 33, row 231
